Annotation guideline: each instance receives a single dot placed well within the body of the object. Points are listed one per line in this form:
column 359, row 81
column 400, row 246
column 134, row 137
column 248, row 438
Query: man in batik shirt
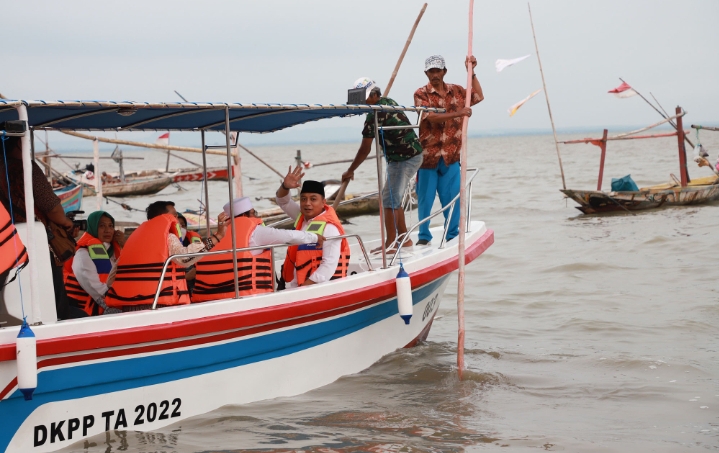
column 441, row 137
column 402, row 152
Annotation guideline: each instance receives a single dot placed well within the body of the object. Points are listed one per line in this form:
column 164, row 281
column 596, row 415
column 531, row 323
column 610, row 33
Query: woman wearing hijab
column 87, row 274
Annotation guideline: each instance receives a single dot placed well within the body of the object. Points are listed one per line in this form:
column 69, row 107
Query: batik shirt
column 399, row 144
column 442, row 139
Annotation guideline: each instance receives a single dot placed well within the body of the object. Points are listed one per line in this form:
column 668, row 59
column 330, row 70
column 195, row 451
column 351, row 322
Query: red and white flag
column 623, row 91
column 163, row 139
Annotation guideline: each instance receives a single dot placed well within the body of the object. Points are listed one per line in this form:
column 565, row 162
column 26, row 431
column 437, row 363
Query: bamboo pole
column 343, row 161
column 340, row 196
column 463, row 202
column 344, row 185
column 404, row 51
column 260, row 159
column 663, row 115
column 546, row 96
column 140, row 144
column 706, row 128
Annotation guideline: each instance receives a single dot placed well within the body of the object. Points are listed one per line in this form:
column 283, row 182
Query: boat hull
column 132, row 187
column 141, row 371
column 594, row 202
column 70, row 197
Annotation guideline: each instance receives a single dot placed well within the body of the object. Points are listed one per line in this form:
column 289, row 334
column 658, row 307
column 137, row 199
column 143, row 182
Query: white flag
column 501, row 64
column 513, row 109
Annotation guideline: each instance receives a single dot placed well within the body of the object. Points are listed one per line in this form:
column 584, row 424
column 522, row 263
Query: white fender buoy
column 26, row 356
column 404, row 295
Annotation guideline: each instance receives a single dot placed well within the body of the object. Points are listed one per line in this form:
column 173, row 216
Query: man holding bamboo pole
column 403, row 154
column 441, row 137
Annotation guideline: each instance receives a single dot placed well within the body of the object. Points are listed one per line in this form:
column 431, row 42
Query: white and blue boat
column 145, row 370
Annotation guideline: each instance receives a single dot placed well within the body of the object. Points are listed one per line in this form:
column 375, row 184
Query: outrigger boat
column 145, row 370
column 70, row 196
column 681, row 191
column 115, row 187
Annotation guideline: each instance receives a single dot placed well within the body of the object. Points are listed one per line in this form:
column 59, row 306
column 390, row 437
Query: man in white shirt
column 215, row 276
column 319, row 264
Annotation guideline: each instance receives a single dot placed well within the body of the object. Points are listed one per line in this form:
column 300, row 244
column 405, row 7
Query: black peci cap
column 313, row 187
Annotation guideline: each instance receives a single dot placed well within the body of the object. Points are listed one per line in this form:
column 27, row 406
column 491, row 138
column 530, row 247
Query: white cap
column 239, row 206
column 365, row 82
column 435, row 61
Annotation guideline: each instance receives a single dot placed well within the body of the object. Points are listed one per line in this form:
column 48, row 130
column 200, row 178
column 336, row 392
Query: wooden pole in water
column 546, row 96
column 683, row 171
column 463, row 202
column 404, row 51
column 601, row 160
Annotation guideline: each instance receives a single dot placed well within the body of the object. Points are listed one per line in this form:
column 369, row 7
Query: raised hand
column 222, row 224
column 293, row 178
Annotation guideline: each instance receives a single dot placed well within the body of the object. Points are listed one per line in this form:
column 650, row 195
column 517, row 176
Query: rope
column 126, row 207
column 12, row 220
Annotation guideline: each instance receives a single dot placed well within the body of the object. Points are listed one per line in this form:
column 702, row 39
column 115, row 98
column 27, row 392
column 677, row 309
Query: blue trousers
column 444, row 181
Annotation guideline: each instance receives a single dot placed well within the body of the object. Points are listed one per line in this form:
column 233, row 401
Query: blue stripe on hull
column 81, row 381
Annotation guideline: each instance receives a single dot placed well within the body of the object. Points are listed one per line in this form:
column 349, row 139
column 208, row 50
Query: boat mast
column 546, row 96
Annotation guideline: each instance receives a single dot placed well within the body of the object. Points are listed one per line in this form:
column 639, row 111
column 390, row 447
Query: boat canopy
column 186, row 116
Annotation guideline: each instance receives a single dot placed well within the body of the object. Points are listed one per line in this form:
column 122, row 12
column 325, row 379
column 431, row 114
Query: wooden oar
column 340, row 196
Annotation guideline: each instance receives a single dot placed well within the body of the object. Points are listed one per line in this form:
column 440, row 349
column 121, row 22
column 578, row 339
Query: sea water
column 584, row 333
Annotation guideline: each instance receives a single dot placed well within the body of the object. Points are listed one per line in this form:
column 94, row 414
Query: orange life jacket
column 101, row 259
column 12, row 250
column 305, row 259
column 140, row 266
column 191, row 237
column 215, row 279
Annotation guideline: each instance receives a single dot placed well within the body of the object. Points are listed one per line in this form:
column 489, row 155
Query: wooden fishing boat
column 185, row 174
column 115, row 187
column 698, row 191
column 70, row 197
column 679, row 192
column 145, row 370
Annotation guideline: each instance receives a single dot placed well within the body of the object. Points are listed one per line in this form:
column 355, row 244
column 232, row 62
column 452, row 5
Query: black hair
column 158, row 208
column 181, row 217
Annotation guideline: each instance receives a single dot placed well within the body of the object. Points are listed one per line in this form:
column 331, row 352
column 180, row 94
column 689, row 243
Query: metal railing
column 449, row 206
column 249, row 249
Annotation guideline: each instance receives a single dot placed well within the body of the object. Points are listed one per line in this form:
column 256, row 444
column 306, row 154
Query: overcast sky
column 311, row 51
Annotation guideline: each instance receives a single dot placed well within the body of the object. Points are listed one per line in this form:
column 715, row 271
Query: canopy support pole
column 204, row 181
column 98, row 173
column 378, row 153
column 237, row 170
column 36, row 316
column 230, row 182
